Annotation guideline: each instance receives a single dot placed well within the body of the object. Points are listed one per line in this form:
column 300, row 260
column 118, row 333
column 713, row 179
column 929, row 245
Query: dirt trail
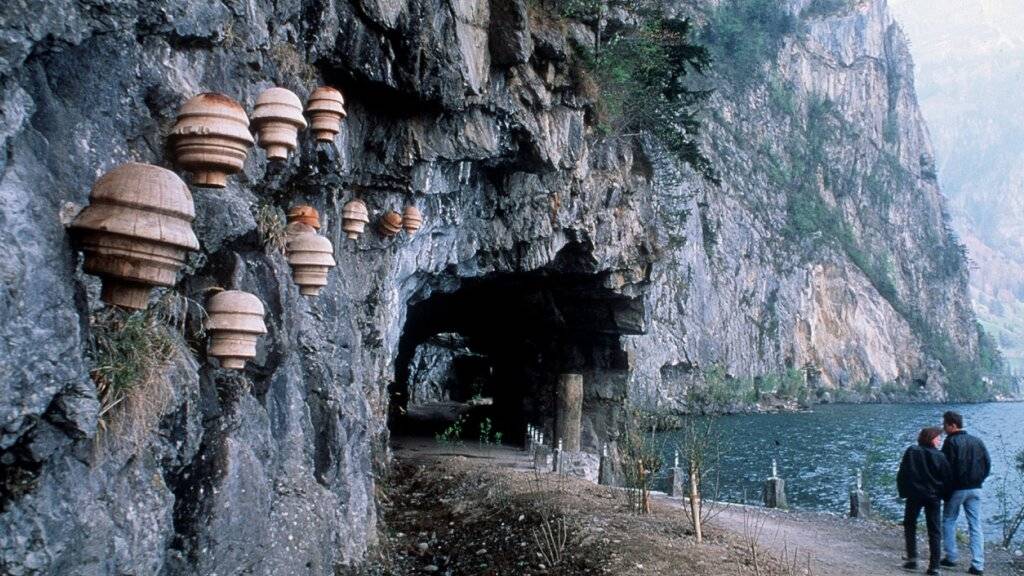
column 835, row 545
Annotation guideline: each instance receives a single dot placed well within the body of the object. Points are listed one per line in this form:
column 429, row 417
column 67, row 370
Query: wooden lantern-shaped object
column 390, row 223
column 326, row 109
column 277, row 118
column 235, row 323
column 354, row 218
column 311, row 257
column 412, row 219
column 136, row 231
column 304, row 214
column 211, row 139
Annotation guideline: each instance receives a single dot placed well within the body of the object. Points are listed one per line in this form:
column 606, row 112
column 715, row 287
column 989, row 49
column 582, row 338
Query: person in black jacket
column 970, row 463
column 923, row 479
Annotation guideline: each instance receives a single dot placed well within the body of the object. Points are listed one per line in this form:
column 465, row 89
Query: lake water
column 819, row 452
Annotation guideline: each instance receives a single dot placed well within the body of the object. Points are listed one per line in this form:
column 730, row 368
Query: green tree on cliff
column 641, row 68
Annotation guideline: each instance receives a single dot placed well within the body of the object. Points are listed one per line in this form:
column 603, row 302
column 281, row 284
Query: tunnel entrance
column 492, row 351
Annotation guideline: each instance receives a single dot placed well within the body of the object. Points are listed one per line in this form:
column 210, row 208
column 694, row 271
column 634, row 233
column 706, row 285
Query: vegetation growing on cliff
column 643, row 72
column 744, row 36
column 719, row 391
column 823, row 8
column 130, row 353
column 806, row 172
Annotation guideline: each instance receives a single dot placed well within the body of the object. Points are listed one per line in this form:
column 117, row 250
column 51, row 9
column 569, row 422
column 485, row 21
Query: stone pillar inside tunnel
column 570, row 411
column 516, row 335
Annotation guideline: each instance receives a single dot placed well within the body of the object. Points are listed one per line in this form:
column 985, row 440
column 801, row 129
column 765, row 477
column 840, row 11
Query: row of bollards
column 568, row 425
column 543, row 456
column 774, row 494
column 567, row 428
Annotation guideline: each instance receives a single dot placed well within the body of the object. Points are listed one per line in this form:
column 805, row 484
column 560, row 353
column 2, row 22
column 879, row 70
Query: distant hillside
column 970, row 71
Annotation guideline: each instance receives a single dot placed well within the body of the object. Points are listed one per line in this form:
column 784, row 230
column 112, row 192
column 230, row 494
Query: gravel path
column 834, row 545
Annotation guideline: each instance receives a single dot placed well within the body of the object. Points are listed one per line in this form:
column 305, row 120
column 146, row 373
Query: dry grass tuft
column 131, row 352
column 272, row 228
column 292, row 63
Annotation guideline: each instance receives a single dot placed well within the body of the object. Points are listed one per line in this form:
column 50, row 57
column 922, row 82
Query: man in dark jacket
column 923, row 479
column 970, row 464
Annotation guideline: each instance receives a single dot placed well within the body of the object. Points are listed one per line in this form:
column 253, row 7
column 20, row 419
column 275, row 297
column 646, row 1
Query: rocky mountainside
column 827, row 245
column 822, row 255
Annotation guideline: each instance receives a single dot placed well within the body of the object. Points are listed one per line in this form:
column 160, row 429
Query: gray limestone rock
column 466, row 108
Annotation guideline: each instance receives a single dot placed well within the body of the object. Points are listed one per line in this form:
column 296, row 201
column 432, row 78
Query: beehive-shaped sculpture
column 211, row 139
column 136, row 231
column 390, row 223
column 326, row 109
column 277, row 119
column 235, row 324
column 311, row 257
column 412, row 220
column 304, row 214
column 354, row 218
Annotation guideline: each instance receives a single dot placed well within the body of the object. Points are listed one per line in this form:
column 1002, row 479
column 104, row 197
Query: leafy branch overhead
column 643, row 63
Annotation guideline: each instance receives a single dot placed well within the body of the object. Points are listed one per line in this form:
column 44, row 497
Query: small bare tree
column 1010, row 495
column 789, row 562
column 640, row 451
column 700, row 447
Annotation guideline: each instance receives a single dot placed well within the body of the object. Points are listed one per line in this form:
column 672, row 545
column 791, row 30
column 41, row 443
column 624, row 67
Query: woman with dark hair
column 924, row 480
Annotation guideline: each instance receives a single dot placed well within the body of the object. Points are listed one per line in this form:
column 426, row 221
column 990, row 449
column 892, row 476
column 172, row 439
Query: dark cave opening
column 494, row 348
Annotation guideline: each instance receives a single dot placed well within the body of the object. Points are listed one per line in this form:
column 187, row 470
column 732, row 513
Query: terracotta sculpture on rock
column 302, row 219
column 354, row 218
column 311, row 257
column 235, row 323
column 211, row 139
column 136, row 231
column 412, row 219
column 326, row 109
column 390, row 223
column 277, row 118
column 304, row 214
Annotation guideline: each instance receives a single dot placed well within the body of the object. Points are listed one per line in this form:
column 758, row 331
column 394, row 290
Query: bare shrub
column 701, row 447
column 556, row 534
column 551, row 538
column 1010, row 494
column 641, row 453
column 790, row 562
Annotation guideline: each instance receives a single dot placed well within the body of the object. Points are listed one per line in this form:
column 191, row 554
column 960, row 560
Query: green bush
column 744, row 35
column 719, row 391
column 793, row 385
column 641, row 75
column 453, row 433
column 823, row 8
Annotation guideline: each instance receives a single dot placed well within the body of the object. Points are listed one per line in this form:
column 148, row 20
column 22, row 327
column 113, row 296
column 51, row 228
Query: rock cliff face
column 588, row 256
column 827, row 245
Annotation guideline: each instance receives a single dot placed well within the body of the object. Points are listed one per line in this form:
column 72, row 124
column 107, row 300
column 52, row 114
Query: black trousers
column 933, row 518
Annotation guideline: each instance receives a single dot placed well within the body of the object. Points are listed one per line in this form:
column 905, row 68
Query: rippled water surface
column 819, row 452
